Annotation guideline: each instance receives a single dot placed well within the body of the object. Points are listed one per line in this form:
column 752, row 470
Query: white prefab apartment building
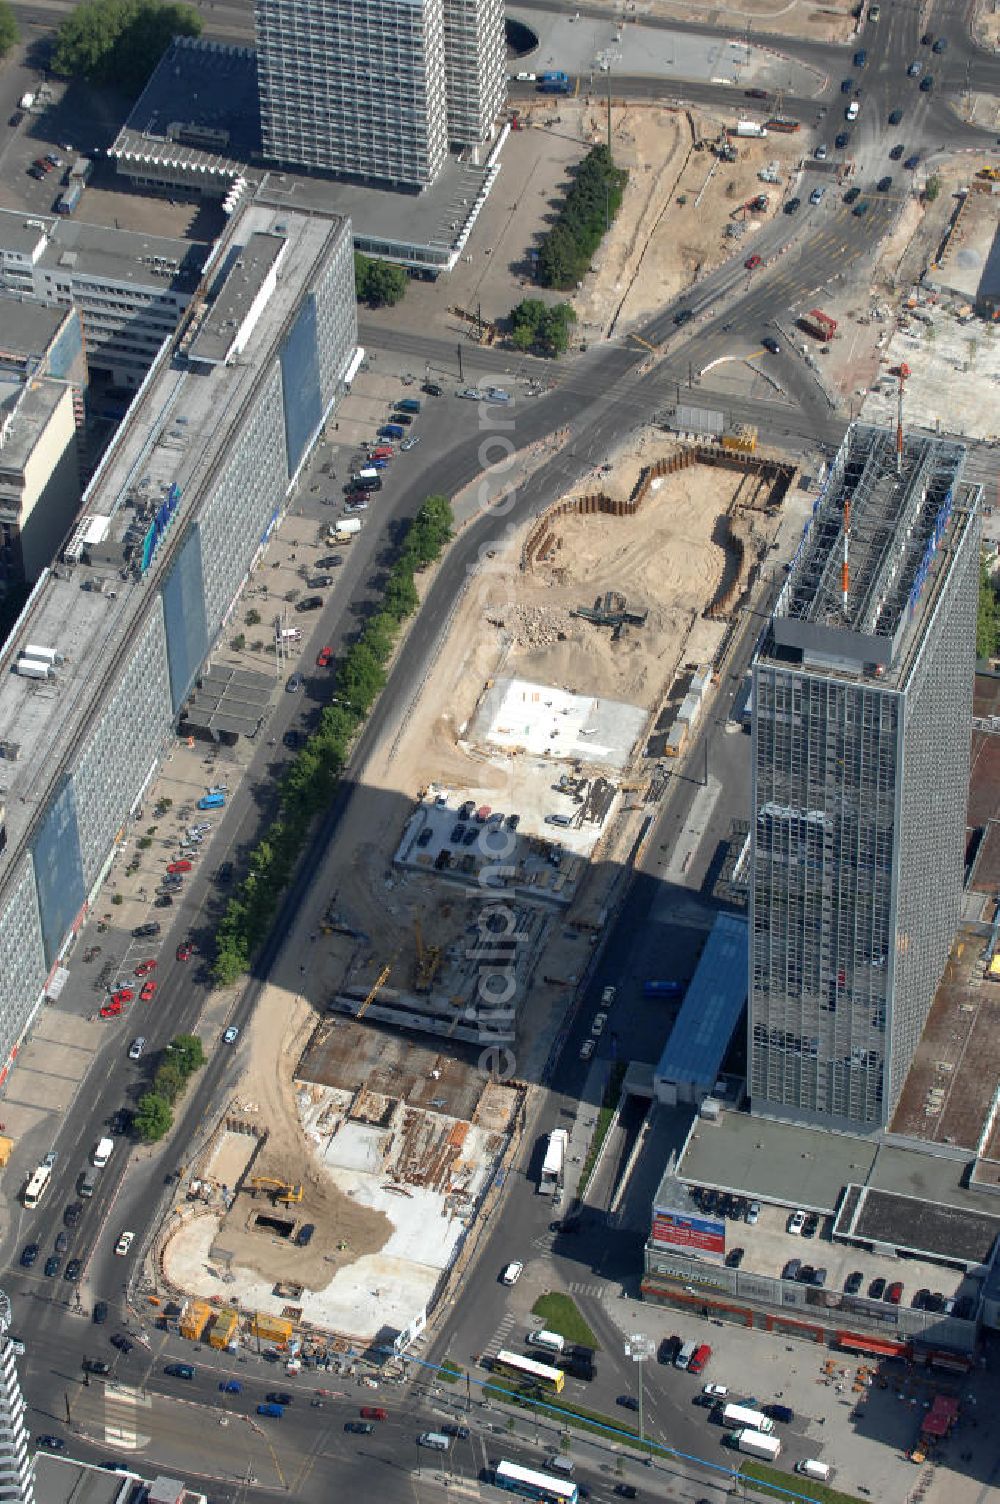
column 475, row 63
column 375, row 89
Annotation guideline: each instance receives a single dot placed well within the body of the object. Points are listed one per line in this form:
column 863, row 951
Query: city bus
column 531, row 1485
column 554, row 1164
column 528, row 1372
column 37, row 1185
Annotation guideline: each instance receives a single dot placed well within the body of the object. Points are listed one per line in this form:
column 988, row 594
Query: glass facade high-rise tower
column 861, row 740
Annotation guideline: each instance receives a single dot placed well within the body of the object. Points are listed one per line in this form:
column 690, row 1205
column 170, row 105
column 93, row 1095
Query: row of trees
column 309, row 783
column 988, row 617
column 589, row 207
column 120, row 42
column 9, row 34
column 542, row 327
column 380, row 284
column 182, row 1058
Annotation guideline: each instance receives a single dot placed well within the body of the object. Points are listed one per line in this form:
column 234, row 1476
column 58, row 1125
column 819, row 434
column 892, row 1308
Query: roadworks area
column 390, row 1065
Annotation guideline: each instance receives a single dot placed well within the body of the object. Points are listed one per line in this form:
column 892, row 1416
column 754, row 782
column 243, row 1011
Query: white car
column 410, row 443
column 136, row 1048
column 608, row 996
column 717, row 1391
column 497, row 394
column 473, row 393
column 796, row 1222
column 753, row 1213
column 587, row 1048
column 525, row 78
column 816, row 197
column 231, row 1035
column 597, row 1027
column 124, row 1243
column 512, row 1273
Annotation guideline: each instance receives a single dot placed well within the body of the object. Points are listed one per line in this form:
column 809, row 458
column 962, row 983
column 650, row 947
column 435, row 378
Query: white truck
column 749, row 128
column 344, row 530
column 26, row 101
column 756, row 1444
column 103, row 1152
column 744, row 1415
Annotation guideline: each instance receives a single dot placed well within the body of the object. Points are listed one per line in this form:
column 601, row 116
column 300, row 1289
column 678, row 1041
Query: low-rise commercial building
column 130, row 290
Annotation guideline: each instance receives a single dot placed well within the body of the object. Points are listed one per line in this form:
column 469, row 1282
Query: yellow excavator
column 282, row 1191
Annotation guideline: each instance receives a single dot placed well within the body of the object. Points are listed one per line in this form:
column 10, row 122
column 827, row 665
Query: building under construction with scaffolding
column 861, row 733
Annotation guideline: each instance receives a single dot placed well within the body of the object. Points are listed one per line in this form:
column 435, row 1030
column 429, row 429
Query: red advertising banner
column 699, row 1234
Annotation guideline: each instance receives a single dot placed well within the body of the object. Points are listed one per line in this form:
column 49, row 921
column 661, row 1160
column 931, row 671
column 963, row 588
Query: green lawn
column 561, row 1314
column 449, row 1372
column 759, row 1475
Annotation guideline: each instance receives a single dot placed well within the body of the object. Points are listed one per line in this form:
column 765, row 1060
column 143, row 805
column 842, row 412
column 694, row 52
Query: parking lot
column 770, row 1246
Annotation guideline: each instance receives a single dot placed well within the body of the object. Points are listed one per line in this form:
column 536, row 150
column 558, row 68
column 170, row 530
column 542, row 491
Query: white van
column 103, row 1152
column 436, row 1440
column 549, row 1342
column 685, row 1355
column 821, row 1472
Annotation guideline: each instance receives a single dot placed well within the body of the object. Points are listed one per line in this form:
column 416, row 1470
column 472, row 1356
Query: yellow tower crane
column 379, row 983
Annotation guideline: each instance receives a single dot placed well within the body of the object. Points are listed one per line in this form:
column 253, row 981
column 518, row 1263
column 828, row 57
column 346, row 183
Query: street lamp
column 639, row 1348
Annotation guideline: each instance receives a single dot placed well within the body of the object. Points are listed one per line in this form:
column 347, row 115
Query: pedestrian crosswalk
column 499, row 1338
column 597, row 1292
column 125, row 1409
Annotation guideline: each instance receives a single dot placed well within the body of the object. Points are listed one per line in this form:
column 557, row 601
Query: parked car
column 895, row 116
column 309, row 603
column 73, row 1270
column 897, row 152
column 876, row 1289
column 734, row 1258
column 182, row 865
column 810, row 1225
column 914, row 70
column 842, row 140
column 791, row 1269
column 753, row 1214
column 145, row 967
column 52, row 1265
column 305, row 1233
column 29, row 1255
column 627, row 1402
column 894, row 1294
column 147, row 992
column 597, row 1027
column 853, row 1282
column 587, row 1048
column 884, row 184
column 852, row 195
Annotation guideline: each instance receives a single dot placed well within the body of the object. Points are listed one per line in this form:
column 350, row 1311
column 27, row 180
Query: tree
column 153, row 1119
column 380, row 284
column 187, row 1053
column 169, row 1081
column 120, row 42
column 542, row 326
column 9, row 34
column 932, row 189
column 593, row 200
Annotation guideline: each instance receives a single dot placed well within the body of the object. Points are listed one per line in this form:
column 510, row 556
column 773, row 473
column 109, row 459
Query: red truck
column 818, row 324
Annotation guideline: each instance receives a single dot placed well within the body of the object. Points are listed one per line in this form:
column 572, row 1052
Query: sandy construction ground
column 832, row 22
column 671, row 228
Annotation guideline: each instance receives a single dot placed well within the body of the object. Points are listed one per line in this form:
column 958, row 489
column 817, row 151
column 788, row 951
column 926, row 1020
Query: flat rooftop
column 33, row 407
column 175, row 434
column 898, row 534
column 202, row 95
column 519, row 716
column 898, row 1195
column 198, row 116
column 713, row 1004
column 27, row 327
column 75, row 247
column 947, row 1093
column 245, row 280
column 60, row 1480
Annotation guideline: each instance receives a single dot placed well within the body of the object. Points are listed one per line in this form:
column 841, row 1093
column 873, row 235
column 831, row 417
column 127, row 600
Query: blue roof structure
column 711, row 1011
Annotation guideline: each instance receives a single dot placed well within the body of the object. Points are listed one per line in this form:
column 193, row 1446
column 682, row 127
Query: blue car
column 231, row 1386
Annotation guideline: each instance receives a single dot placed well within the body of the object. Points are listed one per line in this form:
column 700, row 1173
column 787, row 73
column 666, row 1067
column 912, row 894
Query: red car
column 145, row 967
column 186, row 950
column 894, row 1294
column 122, row 996
column 146, row 995
column 182, row 866
column 111, row 1010
column 751, row 263
column 701, row 1357
column 324, row 658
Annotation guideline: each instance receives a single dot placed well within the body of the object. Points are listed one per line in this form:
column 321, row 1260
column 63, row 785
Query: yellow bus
column 529, row 1373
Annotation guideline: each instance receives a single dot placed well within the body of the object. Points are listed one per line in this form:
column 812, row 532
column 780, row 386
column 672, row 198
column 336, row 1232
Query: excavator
column 281, row 1191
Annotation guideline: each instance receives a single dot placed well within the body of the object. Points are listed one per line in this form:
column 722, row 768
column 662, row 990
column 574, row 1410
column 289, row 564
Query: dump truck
column 818, row 324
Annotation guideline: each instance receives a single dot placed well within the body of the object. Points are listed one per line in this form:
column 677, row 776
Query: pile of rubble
column 532, row 626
